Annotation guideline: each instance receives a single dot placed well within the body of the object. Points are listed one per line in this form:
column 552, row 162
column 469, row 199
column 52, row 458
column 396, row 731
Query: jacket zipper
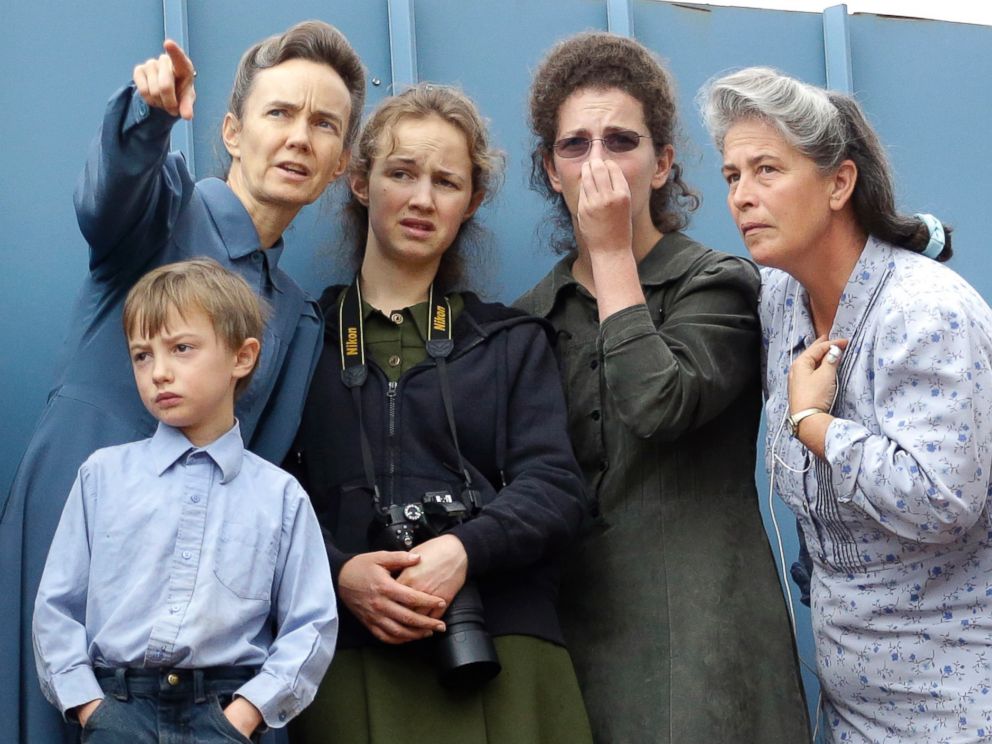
column 391, row 432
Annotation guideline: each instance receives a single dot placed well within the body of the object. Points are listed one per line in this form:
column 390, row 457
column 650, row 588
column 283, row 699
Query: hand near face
column 166, row 81
column 813, row 376
column 441, row 571
column 603, row 213
column 393, row 613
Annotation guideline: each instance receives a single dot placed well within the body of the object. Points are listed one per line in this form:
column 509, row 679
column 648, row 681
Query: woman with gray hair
column 878, row 382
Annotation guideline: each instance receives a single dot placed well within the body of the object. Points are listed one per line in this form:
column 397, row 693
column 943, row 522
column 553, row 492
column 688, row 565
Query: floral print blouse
column 897, row 516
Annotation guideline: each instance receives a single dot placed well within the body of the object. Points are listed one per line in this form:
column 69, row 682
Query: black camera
column 465, row 654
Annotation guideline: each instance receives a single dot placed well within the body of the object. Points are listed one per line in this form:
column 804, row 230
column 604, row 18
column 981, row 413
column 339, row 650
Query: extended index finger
column 182, row 65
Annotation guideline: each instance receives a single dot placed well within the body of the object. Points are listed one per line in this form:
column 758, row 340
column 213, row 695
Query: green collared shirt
column 397, row 340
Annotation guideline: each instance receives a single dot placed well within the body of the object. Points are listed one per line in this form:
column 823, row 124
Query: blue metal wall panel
column 491, row 50
column 620, row 17
column 923, row 83
column 837, row 48
column 403, row 42
column 699, row 42
column 927, row 88
column 61, row 65
column 176, row 27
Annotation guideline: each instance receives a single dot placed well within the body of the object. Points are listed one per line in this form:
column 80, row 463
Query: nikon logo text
column 351, row 343
column 440, row 319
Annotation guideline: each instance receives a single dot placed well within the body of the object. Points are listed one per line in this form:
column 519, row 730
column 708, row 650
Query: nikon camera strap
column 354, row 373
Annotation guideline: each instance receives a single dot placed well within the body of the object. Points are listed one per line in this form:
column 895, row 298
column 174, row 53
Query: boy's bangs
column 151, row 315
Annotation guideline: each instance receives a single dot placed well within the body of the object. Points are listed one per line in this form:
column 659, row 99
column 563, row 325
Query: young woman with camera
column 434, row 447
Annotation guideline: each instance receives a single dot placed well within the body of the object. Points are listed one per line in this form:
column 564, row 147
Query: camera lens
column 465, row 653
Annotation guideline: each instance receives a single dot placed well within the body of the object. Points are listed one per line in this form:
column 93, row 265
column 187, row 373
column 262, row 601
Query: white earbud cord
column 778, row 461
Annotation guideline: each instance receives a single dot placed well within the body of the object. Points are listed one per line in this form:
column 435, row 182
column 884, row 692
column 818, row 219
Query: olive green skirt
column 388, row 695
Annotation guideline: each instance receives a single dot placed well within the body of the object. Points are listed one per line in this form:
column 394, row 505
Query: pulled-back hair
column 828, row 128
column 311, row 40
column 602, row 61
column 423, row 101
column 235, row 311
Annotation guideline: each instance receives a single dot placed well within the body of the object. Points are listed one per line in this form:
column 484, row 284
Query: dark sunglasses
column 616, row 142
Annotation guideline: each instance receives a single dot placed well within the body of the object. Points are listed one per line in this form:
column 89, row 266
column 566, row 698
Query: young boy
column 187, row 592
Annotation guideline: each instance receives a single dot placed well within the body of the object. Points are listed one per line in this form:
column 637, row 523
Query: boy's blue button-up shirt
column 169, row 555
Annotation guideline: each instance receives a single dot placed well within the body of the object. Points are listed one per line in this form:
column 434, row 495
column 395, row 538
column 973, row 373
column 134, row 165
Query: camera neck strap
column 354, row 373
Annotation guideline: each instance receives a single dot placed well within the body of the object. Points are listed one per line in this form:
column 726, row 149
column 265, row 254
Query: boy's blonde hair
column 235, row 312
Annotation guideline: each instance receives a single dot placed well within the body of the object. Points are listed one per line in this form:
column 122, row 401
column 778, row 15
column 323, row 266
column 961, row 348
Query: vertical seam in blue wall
column 176, row 28
column 620, row 17
column 402, row 43
column 837, row 49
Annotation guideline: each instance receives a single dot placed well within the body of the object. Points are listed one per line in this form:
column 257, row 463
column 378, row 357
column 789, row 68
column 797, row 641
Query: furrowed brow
column 333, row 116
column 286, row 105
column 177, row 337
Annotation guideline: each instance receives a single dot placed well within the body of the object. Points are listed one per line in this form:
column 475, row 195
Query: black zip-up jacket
column 509, row 412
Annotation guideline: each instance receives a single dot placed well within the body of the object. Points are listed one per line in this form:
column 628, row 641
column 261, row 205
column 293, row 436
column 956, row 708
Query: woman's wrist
column 799, row 414
column 812, row 432
column 617, row 283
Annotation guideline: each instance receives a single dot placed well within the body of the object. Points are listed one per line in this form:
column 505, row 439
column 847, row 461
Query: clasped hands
column 400, row 596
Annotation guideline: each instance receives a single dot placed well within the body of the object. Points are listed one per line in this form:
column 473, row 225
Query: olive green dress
column 391, row 695
column 671, row 604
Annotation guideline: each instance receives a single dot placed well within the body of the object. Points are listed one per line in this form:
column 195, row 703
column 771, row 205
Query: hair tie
column 936, row 244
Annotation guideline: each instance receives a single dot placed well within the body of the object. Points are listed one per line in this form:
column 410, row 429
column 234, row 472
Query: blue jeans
column 166, row 706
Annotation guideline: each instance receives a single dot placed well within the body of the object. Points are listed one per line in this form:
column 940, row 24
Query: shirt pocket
column 245, row 560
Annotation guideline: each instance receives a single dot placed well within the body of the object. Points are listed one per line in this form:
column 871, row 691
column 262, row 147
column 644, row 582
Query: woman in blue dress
column 293, row 111
column 878, row 380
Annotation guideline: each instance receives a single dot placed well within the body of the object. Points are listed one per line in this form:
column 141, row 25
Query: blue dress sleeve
column 132, row 188
column 920, row 468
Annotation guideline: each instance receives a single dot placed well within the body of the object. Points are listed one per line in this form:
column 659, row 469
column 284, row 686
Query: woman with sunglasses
column 670, row 603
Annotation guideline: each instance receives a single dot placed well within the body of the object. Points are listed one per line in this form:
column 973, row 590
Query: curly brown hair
column 599, row 61
column 375, row 140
